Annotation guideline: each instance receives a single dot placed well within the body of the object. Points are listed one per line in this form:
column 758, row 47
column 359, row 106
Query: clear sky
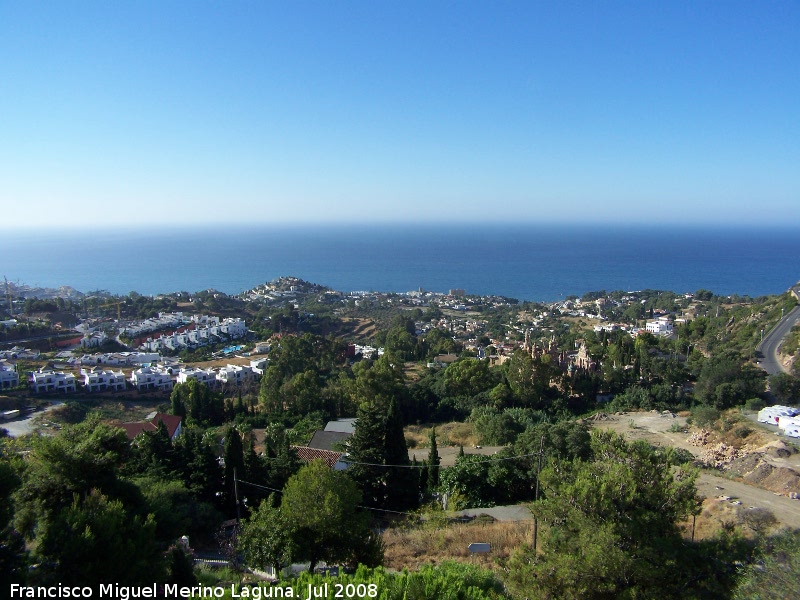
column 192, row 112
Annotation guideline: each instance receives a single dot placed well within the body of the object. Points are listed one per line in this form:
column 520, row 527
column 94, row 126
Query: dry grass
column 716, row 516
column 438, row 540
column 447, row 434
column 360, row 329
column 413, row 372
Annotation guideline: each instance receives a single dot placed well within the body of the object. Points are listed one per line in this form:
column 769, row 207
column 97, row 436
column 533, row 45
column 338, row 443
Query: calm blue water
column 529, row 262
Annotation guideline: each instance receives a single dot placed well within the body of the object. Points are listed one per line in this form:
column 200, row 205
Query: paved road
column 20, row 427
column 768, row 348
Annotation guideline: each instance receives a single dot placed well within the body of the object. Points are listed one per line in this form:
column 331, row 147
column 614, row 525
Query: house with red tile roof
column 172, row 423
column 332, row 459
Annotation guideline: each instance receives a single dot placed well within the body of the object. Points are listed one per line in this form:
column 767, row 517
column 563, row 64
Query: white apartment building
column 235, row 374
column 97, row 380
column 207, row 376
column 50, row 381
column 151, row 378
column 9, row 378
column 259, row 365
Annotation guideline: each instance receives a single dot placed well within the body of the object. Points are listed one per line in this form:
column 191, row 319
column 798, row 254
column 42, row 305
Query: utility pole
column 236, row 495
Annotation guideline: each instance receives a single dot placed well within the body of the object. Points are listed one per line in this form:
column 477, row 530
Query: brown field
column 447, row 434
column 438, row 539
column 361, row 329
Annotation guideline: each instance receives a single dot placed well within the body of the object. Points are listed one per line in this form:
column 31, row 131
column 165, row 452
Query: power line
column 397, row 512
column 422, row 466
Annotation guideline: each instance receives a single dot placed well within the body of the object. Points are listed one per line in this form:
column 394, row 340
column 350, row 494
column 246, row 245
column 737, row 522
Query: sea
column 537, row 262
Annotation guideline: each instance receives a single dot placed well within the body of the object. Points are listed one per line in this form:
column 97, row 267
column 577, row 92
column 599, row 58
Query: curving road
column 768, row 348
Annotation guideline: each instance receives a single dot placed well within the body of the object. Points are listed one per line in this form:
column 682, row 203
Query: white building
column 209, row 330
column 97, row 380
column 9, row 377
column 19, row 352
column 151, row 378
column 50, row 381
column 235, row 374
column 207, row 376
column 259, row 365
column 93, row 340
column 660, row 326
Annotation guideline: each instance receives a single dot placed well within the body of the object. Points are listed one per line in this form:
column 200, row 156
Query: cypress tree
column 433, row 464
column 402, row 490
column 366, row 446
column 234, row 461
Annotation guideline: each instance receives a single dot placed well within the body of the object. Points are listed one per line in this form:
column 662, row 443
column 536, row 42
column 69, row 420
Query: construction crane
column 8, row 296
column 117, row 304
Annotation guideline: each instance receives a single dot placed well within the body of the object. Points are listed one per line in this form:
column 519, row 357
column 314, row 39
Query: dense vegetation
column 87, row 506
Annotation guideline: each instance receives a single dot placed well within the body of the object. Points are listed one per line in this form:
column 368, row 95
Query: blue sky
column 202, row 112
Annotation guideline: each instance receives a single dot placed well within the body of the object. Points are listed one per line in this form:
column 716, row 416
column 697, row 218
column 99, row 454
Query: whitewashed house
column 151, row 378
column 660, row 326
column 97, row 380
column 235, row 374
column 207, row 376
column 94, row 339
column 51, row 381
column 234, row 328
column 259, row 365
column 9, row 377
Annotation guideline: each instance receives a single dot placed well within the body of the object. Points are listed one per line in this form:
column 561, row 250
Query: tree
column 180, row 567
column 378, row 440
column 610, row 524
column 726, row 380
column 469, row 376
column 12, row 545
column 196, row 461
column 321, row 506
column 785, row 387
column 266, row 538
column 775, row 574
column 400, row 343
column 79, row 459
column 433, row 463
column 152, row 452
column 759, row 519
column 234, row 465
column 95, row 540
column 198, row 403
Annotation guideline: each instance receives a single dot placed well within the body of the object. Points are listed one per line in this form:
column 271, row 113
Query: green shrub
column 677, row 428
column 754, row 404
column 704, row 415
